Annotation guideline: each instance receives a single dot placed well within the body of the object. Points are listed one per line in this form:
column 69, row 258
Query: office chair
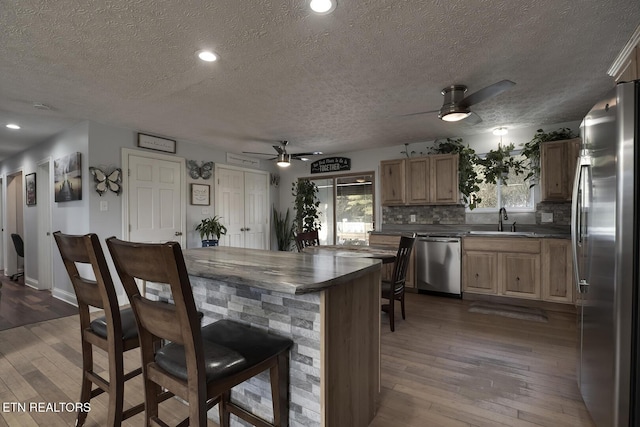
column 19, row 245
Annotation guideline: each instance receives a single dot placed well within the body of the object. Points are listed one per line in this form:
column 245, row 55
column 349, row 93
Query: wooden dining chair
column 309, row 238
column 393, row 289
column 115, row 332
column 200, row 364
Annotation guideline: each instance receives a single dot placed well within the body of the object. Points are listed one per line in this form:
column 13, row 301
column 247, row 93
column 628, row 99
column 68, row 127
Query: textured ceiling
column 334, row 83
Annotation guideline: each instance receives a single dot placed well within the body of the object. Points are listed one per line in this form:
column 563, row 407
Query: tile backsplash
column 456, row 214
column 441, row 214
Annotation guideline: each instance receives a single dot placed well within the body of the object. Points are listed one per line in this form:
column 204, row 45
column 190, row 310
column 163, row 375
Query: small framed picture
column 156, row 143
column 30, row 188
column 200, row 194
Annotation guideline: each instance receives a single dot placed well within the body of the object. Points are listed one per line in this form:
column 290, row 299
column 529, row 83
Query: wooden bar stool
column 115, row 332
column 309, row 238
column 201, row 364
column 393, row 289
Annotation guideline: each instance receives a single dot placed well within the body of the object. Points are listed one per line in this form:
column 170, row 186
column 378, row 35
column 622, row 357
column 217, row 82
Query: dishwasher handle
column 439, row 239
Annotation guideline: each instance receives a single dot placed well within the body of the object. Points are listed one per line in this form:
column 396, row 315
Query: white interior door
column 156, row 200
column 230, row 205
column 242, row 200
column 43, row 198
column 256, row 210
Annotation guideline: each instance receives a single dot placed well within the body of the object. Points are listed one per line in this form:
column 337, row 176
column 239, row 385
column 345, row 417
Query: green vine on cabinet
column 467, row 176
column 531, row 150
column 497, row 164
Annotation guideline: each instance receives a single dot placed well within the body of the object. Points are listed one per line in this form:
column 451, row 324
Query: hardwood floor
column 442, row 367
column 23, row 305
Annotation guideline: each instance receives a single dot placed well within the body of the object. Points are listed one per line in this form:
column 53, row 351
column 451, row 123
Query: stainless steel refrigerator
column 605, row 235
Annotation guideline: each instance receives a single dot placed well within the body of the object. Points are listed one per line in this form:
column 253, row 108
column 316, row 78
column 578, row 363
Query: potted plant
column 211, row 227
column 306, row 206
column 285, row 230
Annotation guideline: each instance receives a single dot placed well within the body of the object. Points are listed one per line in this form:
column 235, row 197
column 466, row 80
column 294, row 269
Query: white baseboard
column 31, row 282
column 65, row 296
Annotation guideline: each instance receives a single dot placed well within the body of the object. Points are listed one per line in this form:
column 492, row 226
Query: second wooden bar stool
column 201, row 364
column 115, row 332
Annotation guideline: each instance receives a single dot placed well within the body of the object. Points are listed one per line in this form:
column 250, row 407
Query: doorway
column 346, row 206
column 43, row 206
column 242, row 201
column 155, row 207
column 14, row 222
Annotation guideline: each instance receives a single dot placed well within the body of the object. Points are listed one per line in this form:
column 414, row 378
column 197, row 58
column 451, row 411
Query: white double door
column 242, row 200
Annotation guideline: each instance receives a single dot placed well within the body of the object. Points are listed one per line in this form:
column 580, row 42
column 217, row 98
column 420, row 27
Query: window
column 515, row 195
column 346, row 206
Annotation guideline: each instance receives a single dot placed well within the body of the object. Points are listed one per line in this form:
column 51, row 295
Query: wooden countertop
column 287, row 272
column 386, row 255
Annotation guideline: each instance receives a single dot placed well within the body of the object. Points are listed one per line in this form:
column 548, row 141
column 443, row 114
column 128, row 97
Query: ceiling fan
column 284, row 158
column 456, row 106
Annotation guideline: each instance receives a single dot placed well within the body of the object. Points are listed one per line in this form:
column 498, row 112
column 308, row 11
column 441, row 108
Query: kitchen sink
column 502, row 233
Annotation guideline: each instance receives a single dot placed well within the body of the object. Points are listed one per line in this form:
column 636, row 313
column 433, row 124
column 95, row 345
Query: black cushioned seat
column 129, row 328
column 229, row 347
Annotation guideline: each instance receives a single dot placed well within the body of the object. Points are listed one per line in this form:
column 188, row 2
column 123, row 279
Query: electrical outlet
column 546, row 217
column 413, row 218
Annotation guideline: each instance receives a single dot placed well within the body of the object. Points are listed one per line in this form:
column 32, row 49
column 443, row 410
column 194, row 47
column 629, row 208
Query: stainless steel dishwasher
column 438, row 265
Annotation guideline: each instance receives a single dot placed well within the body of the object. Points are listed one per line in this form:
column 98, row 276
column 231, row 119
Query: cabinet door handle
column 178, row 233
column 247, row 229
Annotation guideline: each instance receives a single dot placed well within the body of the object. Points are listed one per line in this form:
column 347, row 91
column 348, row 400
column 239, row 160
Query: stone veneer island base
column 329, row 306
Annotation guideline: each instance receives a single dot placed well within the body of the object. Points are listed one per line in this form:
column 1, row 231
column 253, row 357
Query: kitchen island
column 329, row 307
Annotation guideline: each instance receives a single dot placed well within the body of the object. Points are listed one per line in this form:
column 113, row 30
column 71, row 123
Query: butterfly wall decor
column 205, row 171
column 110, row 180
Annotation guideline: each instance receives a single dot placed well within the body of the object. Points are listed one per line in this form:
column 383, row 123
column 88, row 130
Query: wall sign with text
column 331, row 164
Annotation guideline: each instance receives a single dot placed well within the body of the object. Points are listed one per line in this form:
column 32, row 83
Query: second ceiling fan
column 284, row 158
column 455, row 106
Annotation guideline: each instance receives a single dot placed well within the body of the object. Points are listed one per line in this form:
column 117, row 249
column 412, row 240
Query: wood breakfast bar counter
column 329, row 306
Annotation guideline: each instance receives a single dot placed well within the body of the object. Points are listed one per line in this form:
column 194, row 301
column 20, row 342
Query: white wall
column 100, row 146
column 369, row 160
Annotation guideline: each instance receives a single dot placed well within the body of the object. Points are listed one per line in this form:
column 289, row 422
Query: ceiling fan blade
column 312, row 153
column 262, row 154
column 473, row 119
column 419, row 113
column 485, row 93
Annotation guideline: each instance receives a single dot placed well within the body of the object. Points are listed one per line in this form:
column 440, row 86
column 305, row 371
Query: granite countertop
column 479, row 230
column 287, row 272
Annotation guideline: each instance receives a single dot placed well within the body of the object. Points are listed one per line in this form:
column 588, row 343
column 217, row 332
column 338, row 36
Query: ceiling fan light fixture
column 284, row 160
column 13, row 126
column 500, row 131
column 454, row 116
column 323, row 7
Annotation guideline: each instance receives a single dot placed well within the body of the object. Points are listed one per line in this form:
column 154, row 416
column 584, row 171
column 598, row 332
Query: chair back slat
column 86, row 249
column 309, row 238
column 402, row 259
column 159, row 318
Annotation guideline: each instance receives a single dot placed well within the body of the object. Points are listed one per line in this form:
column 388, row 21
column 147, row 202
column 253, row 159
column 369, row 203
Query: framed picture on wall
column 30, row 189
column 200, row 194
column 67, row 178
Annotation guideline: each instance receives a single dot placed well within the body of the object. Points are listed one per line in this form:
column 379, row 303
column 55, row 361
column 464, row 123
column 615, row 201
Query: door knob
column 178, row 233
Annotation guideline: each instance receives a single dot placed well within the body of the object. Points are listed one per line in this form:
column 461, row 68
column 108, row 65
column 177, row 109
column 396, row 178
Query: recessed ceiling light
column 13, row 126
column 207, row 55
column 323, row 7
column 500, row 131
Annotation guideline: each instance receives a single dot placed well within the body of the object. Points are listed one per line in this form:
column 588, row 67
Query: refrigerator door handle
column 576, row 221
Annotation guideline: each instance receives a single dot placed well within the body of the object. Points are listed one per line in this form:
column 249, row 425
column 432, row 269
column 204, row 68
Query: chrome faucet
column 501, row 217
